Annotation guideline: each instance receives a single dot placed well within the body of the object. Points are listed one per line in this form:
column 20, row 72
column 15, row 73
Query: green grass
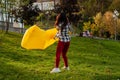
column 89, row 59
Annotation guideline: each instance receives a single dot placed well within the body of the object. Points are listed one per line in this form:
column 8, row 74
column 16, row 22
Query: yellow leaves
column 118, row 26
column 93, row 27
column 98, row 18
column 105, row 22
column 102, row 24
column 86, row 26
column 109, row 22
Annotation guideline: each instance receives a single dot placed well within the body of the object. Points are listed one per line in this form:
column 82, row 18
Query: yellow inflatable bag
column 36, row 38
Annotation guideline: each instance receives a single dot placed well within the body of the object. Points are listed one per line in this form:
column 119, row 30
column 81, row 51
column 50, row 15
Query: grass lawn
column 89, row 59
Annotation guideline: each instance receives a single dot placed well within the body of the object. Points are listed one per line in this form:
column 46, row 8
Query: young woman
column 63, row 26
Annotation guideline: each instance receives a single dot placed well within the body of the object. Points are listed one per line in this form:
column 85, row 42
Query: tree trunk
column 7, row 23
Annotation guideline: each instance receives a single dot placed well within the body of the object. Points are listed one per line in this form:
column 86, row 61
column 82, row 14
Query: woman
column 63, row 26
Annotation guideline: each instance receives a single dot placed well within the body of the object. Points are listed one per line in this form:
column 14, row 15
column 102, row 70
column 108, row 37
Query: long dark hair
column 62, row 19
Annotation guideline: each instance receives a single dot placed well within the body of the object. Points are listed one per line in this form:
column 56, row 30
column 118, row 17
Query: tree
column 27, row 12
column 6, row 7
column 115, row 5
column 99, row 24
column 118, row 30
column 106, row 25
column 70, row 7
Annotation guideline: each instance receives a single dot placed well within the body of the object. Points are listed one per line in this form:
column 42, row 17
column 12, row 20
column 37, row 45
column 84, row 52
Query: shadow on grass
column 10, row 71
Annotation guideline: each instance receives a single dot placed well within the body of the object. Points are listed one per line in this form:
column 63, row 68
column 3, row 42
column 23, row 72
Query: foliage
column 27, row 12
column 118, row 29
column 6, row 7
column 92, row 7
column 85, row 9
column 99, row 24
column 40, row 17
column 70, row 7
column 115, row 5
column 103, row 26
column 86, row 26
column 109, row 22
column 78, row 11
column 52, row 16
column 89, row 59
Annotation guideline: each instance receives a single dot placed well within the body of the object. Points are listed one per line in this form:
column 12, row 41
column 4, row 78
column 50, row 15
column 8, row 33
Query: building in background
column 46, row 4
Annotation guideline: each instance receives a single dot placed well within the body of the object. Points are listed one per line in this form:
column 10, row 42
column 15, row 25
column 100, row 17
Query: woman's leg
column 64, row 53
column 58, row 53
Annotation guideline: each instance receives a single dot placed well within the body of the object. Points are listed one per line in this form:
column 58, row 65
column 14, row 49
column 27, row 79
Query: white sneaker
column 66, row 68
column 55, row 70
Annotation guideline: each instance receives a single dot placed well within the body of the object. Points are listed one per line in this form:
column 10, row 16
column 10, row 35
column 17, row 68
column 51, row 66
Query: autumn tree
column 104, row 25
column 118, row 29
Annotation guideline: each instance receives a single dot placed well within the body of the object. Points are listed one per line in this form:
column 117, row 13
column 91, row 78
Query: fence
column 13, row 27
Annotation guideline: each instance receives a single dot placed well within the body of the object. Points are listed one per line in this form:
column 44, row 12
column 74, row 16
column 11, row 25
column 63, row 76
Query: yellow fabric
column 36, row 38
